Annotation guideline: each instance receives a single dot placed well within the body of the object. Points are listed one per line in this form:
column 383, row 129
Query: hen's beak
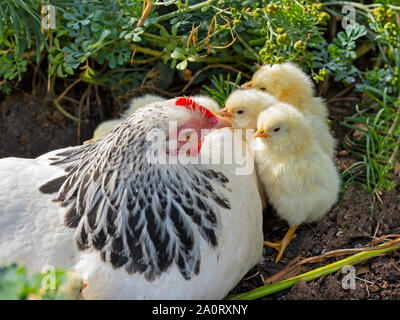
column 225, row 113
column 247, row 85
column 222, row 123
column 88, row 141
column 261, row 134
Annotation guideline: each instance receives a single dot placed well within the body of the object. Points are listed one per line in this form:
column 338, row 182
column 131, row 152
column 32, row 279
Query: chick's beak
column 222, row 123
column 247, row 85
column 88, row 141
column 225, row 113
column 261, row 134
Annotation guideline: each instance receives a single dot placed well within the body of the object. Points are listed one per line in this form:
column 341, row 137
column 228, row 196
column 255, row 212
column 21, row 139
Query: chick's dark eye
column 240, row 112
column 276, row 129
column 263, row 89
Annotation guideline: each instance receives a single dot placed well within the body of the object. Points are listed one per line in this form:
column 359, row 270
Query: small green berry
column 323, row 18
column 390, row 13
column 379, row 13
column 299, row 46
column 272, row 8
column 323, row 73
column 282, row 39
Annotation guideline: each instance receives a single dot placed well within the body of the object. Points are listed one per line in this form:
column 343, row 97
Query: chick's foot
column 282, row 245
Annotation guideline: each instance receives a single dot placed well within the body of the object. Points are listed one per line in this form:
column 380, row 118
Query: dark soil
column 29, row 128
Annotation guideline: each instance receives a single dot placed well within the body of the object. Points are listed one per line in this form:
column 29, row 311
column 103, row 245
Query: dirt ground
column 29, row 128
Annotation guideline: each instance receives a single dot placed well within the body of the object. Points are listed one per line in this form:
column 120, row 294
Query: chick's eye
column 276, row 129
column 263, row 89
column 240, row 112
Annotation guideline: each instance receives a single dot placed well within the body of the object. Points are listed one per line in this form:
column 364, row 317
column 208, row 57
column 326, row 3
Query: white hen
column 301, row 181
column 134, row 228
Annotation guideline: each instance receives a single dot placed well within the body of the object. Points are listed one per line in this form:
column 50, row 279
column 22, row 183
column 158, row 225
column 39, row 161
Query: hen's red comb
column 192, row 105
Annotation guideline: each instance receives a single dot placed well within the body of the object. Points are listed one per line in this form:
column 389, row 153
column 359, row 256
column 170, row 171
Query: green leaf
column 104, row 34
column 164, row 32
column 182, row 65
column 178, row 53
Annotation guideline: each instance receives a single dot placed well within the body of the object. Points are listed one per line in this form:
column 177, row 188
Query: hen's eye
column 276, row 129
column 263, row 89
column 240, row 112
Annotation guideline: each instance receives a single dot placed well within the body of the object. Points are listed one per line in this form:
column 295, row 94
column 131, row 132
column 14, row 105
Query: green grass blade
column 311, row 275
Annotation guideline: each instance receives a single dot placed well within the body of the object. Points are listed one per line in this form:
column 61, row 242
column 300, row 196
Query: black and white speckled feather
column 139, row 215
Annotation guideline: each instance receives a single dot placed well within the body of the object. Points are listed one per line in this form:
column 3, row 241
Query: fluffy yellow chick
column 289, row 84
column 103, row 129
column 73, row 287
column 301, row 181
column 243, row 107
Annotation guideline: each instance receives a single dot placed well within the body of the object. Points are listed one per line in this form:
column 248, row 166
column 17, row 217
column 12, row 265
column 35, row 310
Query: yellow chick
column 301, row 181
column 243, row 107
column 72, row 288
column 103, row 129
column 289, row 84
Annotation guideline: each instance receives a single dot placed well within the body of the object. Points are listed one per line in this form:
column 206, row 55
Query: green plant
column 336, row 58
column 117, row 34
column 376, row 143
column 16, row 284
column 221, row 88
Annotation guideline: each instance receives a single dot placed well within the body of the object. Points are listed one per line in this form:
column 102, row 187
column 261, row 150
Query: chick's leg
column 282, row 245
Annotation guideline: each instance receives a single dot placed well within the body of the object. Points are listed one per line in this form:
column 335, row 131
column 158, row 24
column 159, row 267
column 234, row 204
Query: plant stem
column 311, row 275
column 65, row 113
column 145, row 50
column 155, row 37
column 188, row 9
